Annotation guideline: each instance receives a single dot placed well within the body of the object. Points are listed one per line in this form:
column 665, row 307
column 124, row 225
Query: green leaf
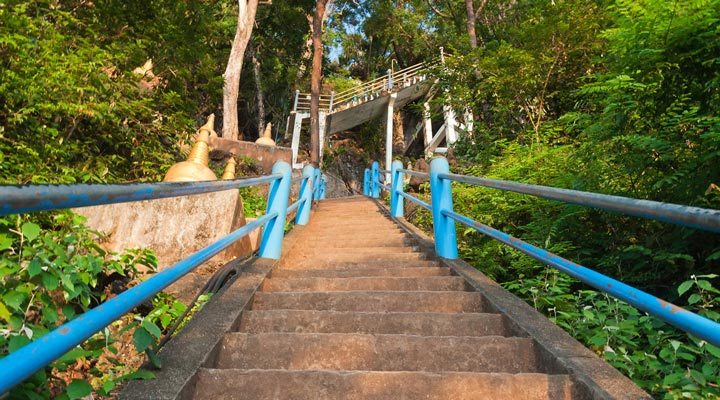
column 5, row 242
column 4, row 312
column 34, row 268
column 67, row 283
column 50, row 314
column 78, row 388
column 675, row 344
column 142, row 339
column 49, row 280
column 694, row 298
column 698, row 377
column 14, row 299
column 154, row 359
column 108, row 386
column 152, row 328
column 684, row 287
column 17, row 342
column 139, row 374
column 73, row 354
column 714, row 350
column 672, row 379
column 30, row 231
column 706, row 285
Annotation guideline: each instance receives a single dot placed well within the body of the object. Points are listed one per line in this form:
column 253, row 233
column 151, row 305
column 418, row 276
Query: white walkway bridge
column 362, row 103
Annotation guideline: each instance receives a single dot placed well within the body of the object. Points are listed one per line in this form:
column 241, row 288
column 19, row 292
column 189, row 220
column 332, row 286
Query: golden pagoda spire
column 196, row 166
column 266, row 138
column 229, row 172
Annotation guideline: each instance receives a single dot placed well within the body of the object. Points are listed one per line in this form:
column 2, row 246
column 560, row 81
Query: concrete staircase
column 365, row 314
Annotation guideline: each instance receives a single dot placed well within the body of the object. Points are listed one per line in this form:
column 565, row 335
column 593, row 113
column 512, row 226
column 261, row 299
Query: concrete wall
column 266, row 156
column 174, row 227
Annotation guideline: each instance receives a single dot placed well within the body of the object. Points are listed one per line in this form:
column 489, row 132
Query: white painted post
column 323, row 121
column 297, row 125
column 427, row 122
column 450, row 124
column 389, row 134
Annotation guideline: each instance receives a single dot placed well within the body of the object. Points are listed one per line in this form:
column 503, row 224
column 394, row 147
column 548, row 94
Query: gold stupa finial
column 196, row 166
column 266, row 138
column 229, row 172
column 209, row 126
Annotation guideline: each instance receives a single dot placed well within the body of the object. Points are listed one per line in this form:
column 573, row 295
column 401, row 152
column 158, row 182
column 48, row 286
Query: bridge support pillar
column 322, row 125
column 274, row 229
column 427, row 124
column 389, row 135
column 450, row 124
column 296, row 119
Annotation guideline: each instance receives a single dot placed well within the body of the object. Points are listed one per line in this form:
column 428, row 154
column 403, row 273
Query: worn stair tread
column 359, row 248
column 358, row 242
column 238, row 384
column 356, row 259
column 427, row 283
column 293, row 263
column 352, row 351
column 373, row 301
column 405, row 323
column 360, row 272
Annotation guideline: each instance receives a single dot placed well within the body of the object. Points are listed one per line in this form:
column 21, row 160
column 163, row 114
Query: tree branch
column 438, row 12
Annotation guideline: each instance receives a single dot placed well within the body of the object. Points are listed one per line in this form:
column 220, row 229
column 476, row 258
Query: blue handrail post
column 323, row 184
column 316, row 184
column 397, row 203
column 375, row 175
column 366, row 182
column 302, row 217
column 274, row 229
column 441, row 194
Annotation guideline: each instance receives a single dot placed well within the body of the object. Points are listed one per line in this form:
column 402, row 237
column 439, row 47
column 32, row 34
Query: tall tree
column 316, row 79
column 231, row 88
column 472, row 14
column 259, row 96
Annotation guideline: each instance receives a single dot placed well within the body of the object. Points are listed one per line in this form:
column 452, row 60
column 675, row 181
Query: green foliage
column 254, row 204
column 50, row 275
column 658, row 357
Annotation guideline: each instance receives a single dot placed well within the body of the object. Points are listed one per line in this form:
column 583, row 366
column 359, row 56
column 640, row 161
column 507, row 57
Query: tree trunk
column 231, row 88
column 260, row 98
column 471, row 17
column 315, row 82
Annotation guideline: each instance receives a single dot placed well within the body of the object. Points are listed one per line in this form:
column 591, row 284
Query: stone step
column 331, row 242
column 236, row 384
column 358, row 249
column 428, row 283
column 295, row 351
column 373, row 301
column 331, row 239
column 359, row 272
column 359, row 258
column 423, row 324
column 293, row 263
column 328, row 234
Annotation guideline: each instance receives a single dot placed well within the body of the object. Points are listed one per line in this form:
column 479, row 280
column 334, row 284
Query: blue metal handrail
column 22, row 363
column 444, row 219
column 31, row 198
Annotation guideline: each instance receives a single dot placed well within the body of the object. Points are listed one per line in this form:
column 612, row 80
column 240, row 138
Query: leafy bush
column 658, row 357
column 47, row 277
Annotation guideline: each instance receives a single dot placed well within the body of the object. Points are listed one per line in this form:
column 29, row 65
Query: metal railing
column 22, row 363
column 444, row 219
column 365, row 91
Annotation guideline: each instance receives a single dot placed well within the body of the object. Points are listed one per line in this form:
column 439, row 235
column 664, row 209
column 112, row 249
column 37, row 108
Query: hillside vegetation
column 610, row 96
